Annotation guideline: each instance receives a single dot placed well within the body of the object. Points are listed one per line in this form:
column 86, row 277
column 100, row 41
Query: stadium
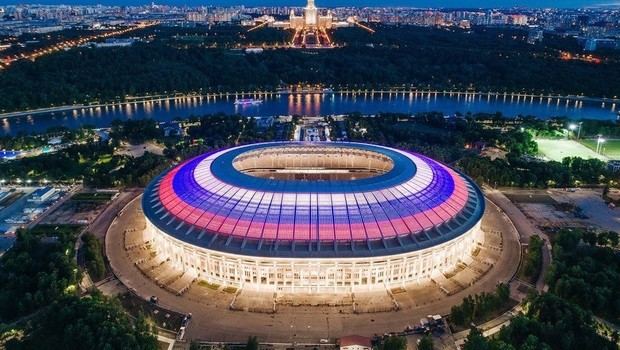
column 313, row 217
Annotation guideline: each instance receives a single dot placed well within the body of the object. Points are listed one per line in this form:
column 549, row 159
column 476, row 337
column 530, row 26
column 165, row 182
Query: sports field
column 611, row 148
column 560, row 149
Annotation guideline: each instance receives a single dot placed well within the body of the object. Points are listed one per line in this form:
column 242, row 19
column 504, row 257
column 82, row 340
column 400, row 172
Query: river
column 312, row 105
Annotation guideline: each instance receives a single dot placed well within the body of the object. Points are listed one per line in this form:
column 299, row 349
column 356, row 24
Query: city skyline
column 338, row 3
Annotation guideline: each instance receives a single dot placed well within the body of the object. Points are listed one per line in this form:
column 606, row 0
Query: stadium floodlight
column 599, row 144
column 572, row 127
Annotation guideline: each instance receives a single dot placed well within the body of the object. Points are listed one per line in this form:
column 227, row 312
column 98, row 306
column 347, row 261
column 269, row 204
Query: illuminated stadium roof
column 313, row 200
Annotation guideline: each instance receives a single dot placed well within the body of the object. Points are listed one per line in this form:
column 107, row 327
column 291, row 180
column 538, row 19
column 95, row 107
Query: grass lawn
column 611, row 148
column 104, row 159
column 206, row 284
column 559, row 149
column 93, row 196
column 55, row 230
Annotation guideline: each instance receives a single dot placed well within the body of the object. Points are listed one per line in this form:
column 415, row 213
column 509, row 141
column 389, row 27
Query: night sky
column 332, row 3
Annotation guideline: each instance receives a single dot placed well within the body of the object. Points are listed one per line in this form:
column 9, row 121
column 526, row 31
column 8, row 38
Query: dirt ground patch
column 531, row 198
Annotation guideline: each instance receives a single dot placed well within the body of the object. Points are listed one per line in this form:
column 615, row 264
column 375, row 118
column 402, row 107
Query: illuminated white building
column 311, row 28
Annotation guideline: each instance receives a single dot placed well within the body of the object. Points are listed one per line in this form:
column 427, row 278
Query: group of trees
column 532, row 260
column 38, row 294
column 583, row 281
column 99, row 164
column 550, row 323
column 93, row 256
column 95, row 163
column 92, row 322
column 394, row 343
column 427, row 133
column 484, row 58
column 37, row 270
column 478, row 307
column 520, row 172
column 448, row 140
column 136, row 131
column 586, row 273
column 604, row 238
column 220, row 130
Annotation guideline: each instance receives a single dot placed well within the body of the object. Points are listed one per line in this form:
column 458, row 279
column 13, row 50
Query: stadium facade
column 313, row 217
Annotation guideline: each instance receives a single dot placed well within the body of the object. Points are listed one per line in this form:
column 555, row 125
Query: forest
column 583, row 281
column 210, row 59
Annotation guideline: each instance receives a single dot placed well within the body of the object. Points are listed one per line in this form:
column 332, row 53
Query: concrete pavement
column 212, row 320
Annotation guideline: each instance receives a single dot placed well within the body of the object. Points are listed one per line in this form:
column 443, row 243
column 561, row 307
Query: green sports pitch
column 611, row 148
column 559, row 149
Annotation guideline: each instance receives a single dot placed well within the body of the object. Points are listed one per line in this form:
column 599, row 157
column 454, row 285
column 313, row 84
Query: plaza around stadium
column 298, row 228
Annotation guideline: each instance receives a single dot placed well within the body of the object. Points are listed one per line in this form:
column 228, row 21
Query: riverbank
column 467, row 95
column 310, row 102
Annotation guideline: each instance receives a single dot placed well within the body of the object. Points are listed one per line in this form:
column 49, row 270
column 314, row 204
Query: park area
column 559, row 149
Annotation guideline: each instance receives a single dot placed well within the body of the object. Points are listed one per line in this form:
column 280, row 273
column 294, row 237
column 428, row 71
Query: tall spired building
column 311, row 28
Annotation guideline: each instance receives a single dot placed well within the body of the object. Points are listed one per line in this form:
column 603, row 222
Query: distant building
column 254, row 50
column 45, row 30
column 103, row 135
column 10, row 155
column 518, row 20
column 355, row 342
column 195, row 16
column 42, row 194
column 264, row 122
column 54, row 141
column 311, row 28
column 173, row 128
column 613, row 165
column 535, row 35
column 594, row 44
column 116, row 43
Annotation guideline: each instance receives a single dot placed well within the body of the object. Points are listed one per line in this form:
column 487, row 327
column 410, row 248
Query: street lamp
column 599, row 144
column 573, row 127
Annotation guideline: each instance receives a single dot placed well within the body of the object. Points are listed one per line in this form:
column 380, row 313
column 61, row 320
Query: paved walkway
column 526, row 230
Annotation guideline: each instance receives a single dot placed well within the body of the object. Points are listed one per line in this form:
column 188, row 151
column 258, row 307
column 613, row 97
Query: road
column 100, row 225
column 525, row 228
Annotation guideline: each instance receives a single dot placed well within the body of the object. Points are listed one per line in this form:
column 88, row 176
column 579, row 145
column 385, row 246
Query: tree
column 502, row 291
column 93, row 254
column 475, row 340
column 252, row 343
column 533, row 258
column 395, row 343
column 612, row 236
column 426, row 343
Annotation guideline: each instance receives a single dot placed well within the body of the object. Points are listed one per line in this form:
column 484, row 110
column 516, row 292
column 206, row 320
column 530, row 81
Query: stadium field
column 559, row 149
column 611, row 148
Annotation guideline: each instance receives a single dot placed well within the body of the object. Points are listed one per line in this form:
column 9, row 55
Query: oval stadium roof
column 418, row 203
